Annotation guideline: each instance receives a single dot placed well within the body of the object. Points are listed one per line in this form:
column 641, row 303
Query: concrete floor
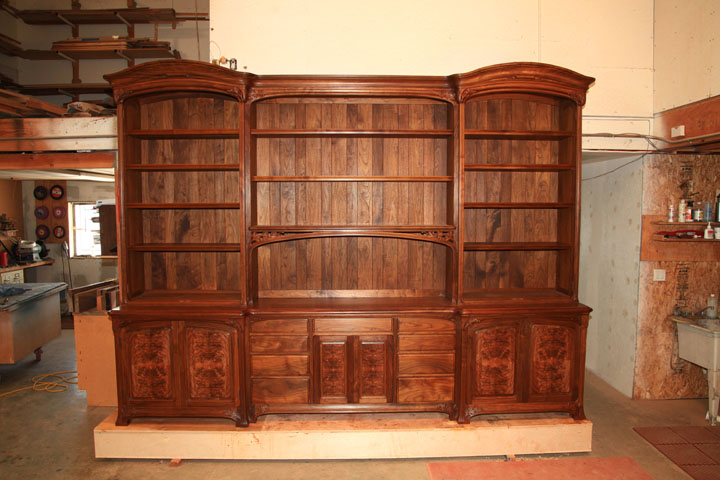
column 49, row 435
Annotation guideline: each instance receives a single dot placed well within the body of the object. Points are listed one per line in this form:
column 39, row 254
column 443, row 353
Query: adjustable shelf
column 517, row 135
column 186, row 247
column 186, row 167
column 185, row 133
column 350, row 178
column 519, row 205
column 183, row 206
column 260, row 132
column 521, row 295
column 519, row 167
column 509, row 246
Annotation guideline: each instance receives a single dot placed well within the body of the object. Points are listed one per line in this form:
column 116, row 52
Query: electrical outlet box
column 678, row 131
column 658, row 275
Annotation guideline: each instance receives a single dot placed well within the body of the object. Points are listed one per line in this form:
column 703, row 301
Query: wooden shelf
column 117, row 16
column 503, row 296
column 189, row 134
column 13, row 268
column 186, row 167
column 686, row 224
column 507, row 246
column 661, row 238
column 258, row 132
column 518, row 205
column 519, row 167
column 187, row 300
column 182, row 206
column 186, row 247
column 517, row 135
column 350, row 178
column 351, row 304
column 110, row 54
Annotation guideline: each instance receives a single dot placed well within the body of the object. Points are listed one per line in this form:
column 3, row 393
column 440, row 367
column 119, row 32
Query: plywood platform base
column 365, row 436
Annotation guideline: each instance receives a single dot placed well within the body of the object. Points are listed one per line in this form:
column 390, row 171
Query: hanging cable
column 197, row 30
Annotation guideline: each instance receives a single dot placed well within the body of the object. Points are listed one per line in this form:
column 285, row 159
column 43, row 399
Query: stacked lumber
column 16, row 105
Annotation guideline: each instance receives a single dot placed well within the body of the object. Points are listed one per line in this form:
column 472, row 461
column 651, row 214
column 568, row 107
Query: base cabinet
column 178, row 368
column 371, row 364
column 523, row 363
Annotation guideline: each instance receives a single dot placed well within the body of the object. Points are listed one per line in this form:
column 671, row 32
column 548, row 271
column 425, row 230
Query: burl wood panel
column 210, row 363
column 352, row 263
column 494, row 360
column 332, row 372
column 553, row 356
column 500, row 269
column 374, row 370
column 151, row 374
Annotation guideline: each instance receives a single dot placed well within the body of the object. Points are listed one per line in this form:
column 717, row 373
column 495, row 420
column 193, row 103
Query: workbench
column 29, row 320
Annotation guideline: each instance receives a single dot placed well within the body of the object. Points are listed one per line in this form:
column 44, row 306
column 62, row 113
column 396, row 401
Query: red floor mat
column 694, row 449
column 551, row 469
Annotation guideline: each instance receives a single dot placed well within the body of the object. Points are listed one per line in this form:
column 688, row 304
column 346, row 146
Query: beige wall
column 609, row 266
column 687, row 51
column 441, row 38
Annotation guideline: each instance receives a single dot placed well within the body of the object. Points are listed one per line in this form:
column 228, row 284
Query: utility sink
column 699, row 343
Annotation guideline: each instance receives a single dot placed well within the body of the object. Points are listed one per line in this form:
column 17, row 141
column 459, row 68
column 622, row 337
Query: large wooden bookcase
column 305, row 244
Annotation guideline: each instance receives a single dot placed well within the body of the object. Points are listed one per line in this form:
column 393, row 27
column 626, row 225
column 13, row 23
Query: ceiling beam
column 56, row 161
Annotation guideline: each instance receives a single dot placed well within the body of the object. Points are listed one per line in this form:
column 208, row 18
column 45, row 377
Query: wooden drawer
column 278, row 365
column 438, row 363
column 408, row 325
column 280, row 390
column 281, row 325
column 353, row 325
column 425, row 343
column 278, row 344
column 425, row 389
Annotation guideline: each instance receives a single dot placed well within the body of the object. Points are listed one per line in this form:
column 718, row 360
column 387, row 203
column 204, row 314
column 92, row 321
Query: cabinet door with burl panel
column 520, row 363
column 179, row 367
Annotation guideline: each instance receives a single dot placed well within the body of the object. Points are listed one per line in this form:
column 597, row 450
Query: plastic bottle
column 681, row 211
column 711, row 311
column 689, row 211
column 698, row 212
column 709, row 232
column 708, row 211
column 671, row 213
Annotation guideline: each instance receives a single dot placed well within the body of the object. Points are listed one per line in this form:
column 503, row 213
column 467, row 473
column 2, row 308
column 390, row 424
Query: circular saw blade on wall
column 55, row 203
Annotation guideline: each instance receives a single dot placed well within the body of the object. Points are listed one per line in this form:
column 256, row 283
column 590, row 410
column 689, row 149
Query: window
column 84, row 229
